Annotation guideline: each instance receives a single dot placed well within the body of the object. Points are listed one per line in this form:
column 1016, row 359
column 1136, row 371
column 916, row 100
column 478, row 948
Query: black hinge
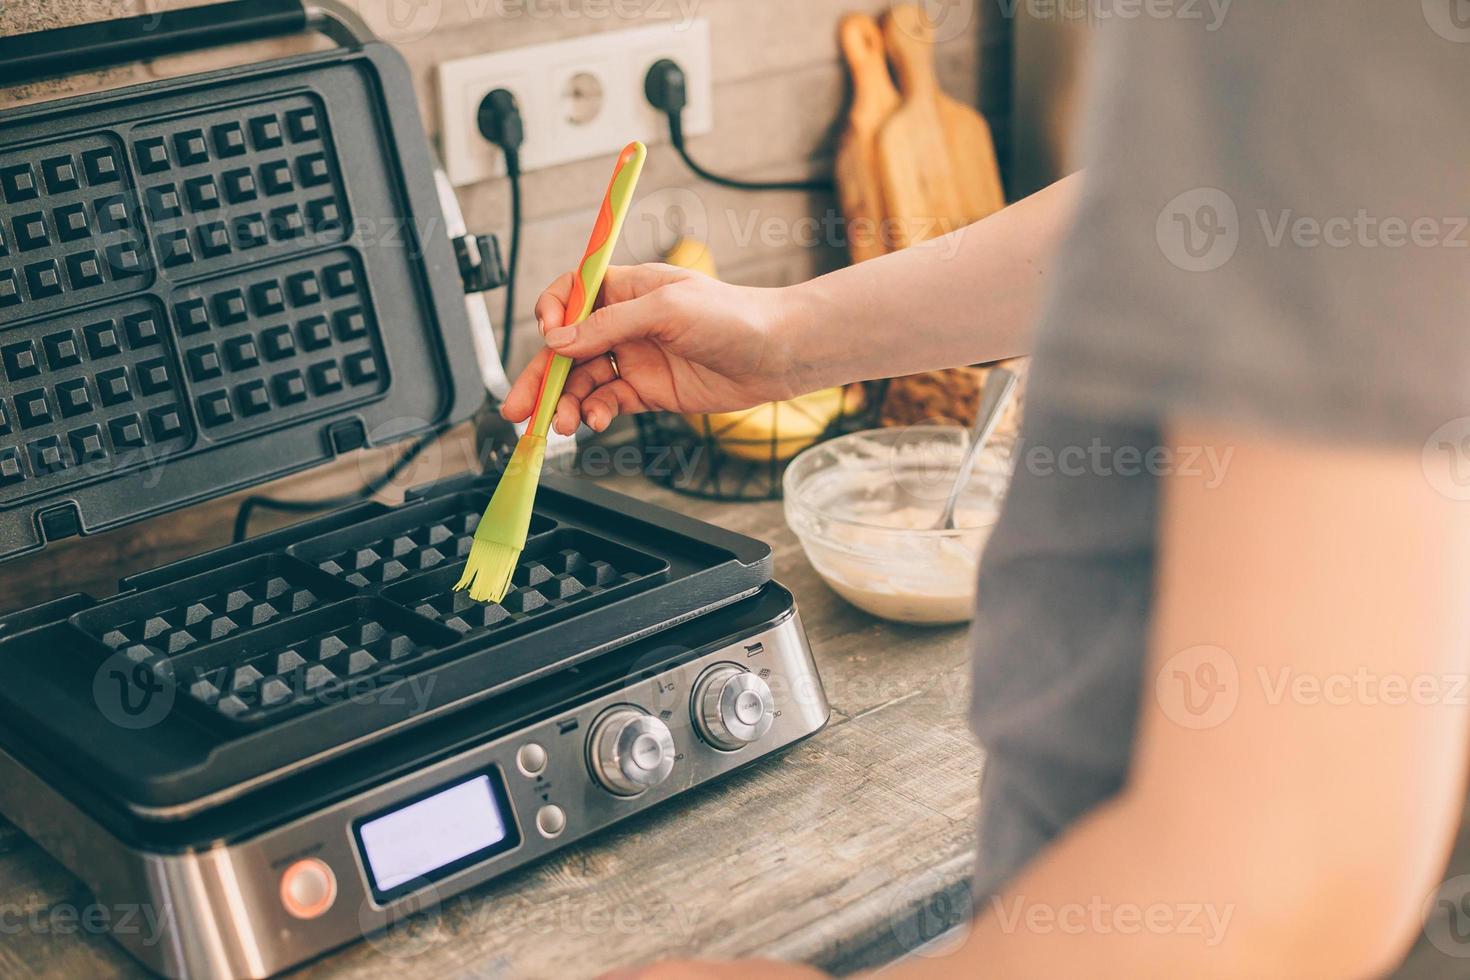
column 480, row 264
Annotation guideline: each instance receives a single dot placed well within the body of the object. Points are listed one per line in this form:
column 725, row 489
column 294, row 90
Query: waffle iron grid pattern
column 129, row 336
column 276, row 633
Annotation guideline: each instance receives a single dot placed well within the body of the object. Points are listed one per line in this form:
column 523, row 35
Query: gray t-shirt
column 1272, row 234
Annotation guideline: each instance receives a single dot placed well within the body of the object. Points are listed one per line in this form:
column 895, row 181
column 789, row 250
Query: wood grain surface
column 874, row 100
column 936, row 155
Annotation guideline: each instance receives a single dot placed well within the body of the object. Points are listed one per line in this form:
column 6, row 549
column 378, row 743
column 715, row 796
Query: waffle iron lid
column 210, row 282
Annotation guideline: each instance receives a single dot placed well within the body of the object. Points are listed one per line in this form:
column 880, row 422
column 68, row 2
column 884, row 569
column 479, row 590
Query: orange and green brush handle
column 501, row 536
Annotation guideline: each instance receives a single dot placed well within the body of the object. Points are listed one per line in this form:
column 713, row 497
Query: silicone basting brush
column 501, row 536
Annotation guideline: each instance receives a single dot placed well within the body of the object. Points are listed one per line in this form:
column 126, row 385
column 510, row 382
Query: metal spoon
column 1000, row 384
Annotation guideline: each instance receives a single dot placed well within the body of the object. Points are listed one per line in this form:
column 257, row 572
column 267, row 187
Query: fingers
column 521, row 401
column 584, row 379
column 621, row 284
column 551, row 307
column 610, row 401
column 617, row 323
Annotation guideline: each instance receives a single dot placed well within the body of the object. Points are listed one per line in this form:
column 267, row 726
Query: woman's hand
column 684, row 343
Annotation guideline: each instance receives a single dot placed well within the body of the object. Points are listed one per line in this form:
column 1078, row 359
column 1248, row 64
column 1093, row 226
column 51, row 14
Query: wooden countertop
column 844, row 851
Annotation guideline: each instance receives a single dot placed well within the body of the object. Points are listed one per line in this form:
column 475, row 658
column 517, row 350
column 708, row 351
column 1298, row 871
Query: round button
column 647, row 753
column 629, row 750
column 308, row 888
column 732, row 707
column 749, row 707
column 531, row 759
column 551, row 820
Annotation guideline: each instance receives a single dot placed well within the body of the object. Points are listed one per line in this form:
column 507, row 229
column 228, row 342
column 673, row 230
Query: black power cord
column 666, row 87
column 499, row 119
column 249, row 505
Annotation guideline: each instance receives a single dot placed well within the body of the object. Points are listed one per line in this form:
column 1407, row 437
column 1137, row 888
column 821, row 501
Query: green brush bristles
column 488, row 574
column 501, row 536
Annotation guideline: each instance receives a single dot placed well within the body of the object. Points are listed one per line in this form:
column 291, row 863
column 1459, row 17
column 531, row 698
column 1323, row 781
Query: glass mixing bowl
column 864, row 505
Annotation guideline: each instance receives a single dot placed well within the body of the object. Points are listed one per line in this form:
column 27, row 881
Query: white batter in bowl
column 863, row 505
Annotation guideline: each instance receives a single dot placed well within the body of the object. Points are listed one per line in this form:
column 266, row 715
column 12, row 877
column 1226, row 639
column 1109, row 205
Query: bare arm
column 687, row 343
column 1305, row 826
column 970, row 297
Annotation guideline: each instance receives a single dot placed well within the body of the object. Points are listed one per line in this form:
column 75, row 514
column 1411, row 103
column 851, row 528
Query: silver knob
column 630, row 751
column 732, row 707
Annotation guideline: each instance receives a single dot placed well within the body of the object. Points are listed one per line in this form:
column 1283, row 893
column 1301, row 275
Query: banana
column 779, row 429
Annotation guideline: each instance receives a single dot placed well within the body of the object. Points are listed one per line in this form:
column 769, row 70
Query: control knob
column 630, row 751
column 732, row 707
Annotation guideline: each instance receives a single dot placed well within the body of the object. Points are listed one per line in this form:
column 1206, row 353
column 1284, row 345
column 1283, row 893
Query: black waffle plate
column 210, row 282
column 233, row 665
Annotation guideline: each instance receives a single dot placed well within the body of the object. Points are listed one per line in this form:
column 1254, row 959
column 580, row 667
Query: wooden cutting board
column 939, row 173
column 936, row 155
column 874, row 100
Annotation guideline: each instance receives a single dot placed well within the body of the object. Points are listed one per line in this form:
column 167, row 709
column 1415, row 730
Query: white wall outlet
column 580, row 98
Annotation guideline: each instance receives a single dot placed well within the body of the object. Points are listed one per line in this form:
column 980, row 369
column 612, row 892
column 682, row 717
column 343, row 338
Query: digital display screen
column 436, row 835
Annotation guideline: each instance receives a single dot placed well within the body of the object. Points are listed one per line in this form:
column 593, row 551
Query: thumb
column 610, row 326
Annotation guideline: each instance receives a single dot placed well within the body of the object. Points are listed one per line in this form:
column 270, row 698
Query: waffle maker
column 280, row 746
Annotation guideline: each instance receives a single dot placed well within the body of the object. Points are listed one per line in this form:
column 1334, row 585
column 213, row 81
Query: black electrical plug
column 500, row 122
column 666, row 87
column 499, row 119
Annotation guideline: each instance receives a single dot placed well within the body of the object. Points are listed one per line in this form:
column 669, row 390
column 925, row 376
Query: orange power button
column 308, row 888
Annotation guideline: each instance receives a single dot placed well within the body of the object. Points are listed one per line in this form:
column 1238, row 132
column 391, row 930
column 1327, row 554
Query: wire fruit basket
column 743, row 455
